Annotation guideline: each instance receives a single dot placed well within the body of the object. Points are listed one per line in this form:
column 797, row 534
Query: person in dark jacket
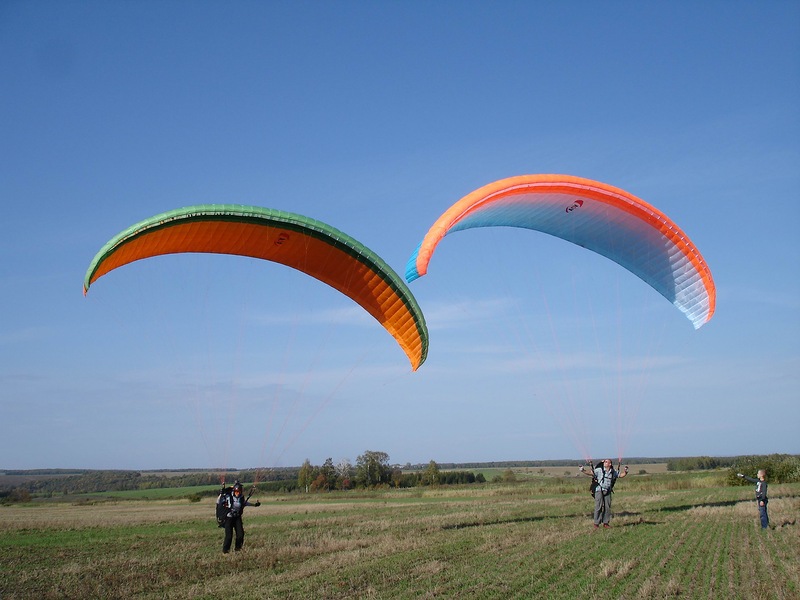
column 761, row 495
column 606, row 476
column 231, row 501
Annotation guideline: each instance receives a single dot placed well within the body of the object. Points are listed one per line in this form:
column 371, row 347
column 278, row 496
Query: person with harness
column 604, row 476
column 230, row 507
column 761, row 495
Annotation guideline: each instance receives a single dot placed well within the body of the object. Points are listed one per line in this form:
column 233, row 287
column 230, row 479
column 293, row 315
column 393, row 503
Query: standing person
column 761, row 495
column 231, row 502
column 606, row 476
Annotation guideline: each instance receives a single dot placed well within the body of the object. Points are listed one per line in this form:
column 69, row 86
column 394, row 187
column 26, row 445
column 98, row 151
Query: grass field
column 673, row 536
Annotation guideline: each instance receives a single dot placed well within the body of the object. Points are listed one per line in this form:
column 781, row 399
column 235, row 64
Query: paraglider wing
column 597, row 216
column 305, row 244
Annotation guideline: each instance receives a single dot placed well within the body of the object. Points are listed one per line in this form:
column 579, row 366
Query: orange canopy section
column 305, row 244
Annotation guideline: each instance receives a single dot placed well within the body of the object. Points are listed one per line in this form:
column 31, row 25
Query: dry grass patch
column 102, row 514
column 617, row 568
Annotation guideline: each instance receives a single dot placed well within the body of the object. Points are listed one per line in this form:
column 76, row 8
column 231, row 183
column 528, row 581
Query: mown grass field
column 673, row 536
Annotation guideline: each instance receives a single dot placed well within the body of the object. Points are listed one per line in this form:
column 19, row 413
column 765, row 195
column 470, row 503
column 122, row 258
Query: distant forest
column 24, row 484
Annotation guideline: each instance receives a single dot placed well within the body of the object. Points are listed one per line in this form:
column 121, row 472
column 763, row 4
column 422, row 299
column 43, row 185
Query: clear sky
column 375, row 117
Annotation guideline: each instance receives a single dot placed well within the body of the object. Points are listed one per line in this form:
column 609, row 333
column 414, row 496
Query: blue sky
column 374, row 118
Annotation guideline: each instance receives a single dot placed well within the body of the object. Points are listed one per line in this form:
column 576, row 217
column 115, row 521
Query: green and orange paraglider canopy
column 302, row 243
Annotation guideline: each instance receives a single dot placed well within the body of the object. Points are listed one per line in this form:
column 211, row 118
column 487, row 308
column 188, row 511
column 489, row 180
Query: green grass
column 673, row 535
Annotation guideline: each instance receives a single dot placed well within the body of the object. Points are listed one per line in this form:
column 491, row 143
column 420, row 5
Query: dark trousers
column 231, row 524
column 762, row 512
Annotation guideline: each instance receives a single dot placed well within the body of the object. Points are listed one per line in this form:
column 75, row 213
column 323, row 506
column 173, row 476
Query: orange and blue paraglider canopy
column 596, row 216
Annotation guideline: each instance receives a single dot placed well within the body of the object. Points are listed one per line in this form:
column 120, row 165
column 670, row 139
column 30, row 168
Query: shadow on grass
column 625, row 513
column 682, row 507
column 529, row 519
column 640, row 521
column 496, row 522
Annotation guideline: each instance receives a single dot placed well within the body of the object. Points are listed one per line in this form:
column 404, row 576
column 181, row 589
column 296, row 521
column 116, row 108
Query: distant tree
column 19, row 494
column 372, row 469
column 344, row 474
column 431, row 475
column 456, row 477
column 396, row 477
column 305, row 476
column 508, row 476
column 328, row 472
column 320, row 483
column 409, row 480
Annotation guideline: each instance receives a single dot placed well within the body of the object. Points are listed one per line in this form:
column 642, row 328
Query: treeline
column 435, row 476
column 780, row 468
column 373, row 471
column 92, row 482
column 518, row 464
column 35, row 472
column 700, row 463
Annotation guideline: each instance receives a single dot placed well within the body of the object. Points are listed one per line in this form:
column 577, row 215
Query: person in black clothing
column 761, row 495
column 231, row 503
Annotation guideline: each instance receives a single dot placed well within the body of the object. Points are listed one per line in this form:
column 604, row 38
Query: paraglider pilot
column 761, row 495
column 230, row 507
column 605, row 476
